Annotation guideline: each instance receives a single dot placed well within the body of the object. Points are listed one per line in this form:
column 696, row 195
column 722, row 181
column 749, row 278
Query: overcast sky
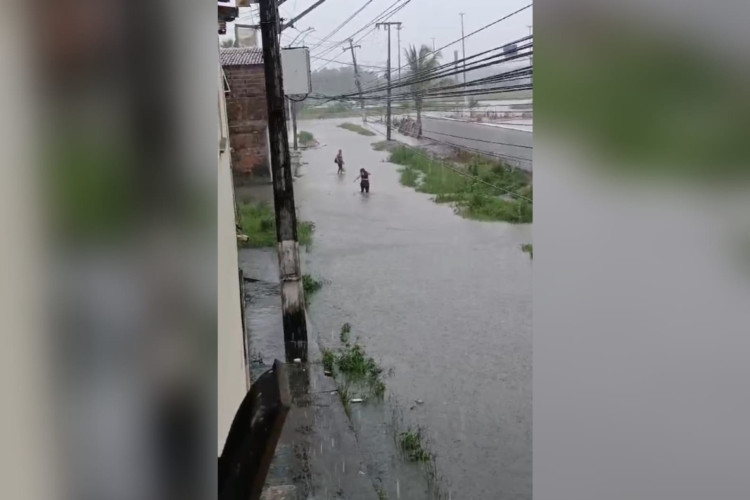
column 422, row 20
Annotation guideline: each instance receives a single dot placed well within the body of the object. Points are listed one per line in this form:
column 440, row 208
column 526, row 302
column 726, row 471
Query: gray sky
column 422, row 20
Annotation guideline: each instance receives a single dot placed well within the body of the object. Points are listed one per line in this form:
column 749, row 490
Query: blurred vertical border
column 641, row 254
column 109, row 278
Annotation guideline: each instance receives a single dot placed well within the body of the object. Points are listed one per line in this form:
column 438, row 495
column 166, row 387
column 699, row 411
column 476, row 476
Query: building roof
column 241, row 56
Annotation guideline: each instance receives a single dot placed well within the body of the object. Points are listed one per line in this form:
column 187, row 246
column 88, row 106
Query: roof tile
column 241, row 56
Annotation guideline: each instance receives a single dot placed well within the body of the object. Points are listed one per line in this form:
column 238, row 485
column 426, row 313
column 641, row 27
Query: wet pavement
column 442, row 303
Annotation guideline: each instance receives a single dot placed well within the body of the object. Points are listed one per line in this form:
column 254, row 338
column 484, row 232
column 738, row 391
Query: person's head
column 339, row 151
column 361, row 170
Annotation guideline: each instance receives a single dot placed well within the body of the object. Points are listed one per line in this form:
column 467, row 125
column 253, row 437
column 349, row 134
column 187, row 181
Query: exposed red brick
column 247, row 115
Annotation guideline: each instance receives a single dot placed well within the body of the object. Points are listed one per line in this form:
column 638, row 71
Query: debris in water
column 297, row 360
column 419, row 401
column 356, row 400
column 327, row 373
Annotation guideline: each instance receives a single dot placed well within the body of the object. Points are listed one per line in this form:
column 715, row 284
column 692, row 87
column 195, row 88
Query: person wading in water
column 364, row 185
column 339, row 160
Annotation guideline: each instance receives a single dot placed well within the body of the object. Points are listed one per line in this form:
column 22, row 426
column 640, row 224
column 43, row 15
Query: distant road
column 510, row 142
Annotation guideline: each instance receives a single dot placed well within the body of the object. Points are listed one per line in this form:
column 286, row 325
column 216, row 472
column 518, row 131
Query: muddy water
column 441, row 302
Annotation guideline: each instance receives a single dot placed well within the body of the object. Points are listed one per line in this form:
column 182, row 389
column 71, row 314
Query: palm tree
column 421, row 63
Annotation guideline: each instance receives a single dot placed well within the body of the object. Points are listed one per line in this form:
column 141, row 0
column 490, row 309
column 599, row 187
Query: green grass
column 258, row 222
column 353, row 362
column 310, row 286
column 528, row 248
column 353, row 127
column 306, row 138
column 381, row 145
column 344, row 335
column 411, row 444
column 478, row 187
column 355, row 372
column 329, row 358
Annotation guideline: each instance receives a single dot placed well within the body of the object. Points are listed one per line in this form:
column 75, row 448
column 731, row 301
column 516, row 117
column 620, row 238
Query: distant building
column 247, row 113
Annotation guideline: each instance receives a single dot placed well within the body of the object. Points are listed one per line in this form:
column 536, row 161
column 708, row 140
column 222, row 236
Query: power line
column 448, row 69
column 508, row 16
column 383, row 16
column 481, row 140
column 338, row 28
column 345, row 63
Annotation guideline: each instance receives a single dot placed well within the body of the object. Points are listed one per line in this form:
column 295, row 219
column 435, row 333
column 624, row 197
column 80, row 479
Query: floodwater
column 442, row 303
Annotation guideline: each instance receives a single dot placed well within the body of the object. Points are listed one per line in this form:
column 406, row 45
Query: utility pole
column 356, row 77
column 293, row 114
column 398, row 34
column 292, row 298
column 433, row 44
column 388, row 76
column 455, row 64
column 530, row 26
column 463, row 46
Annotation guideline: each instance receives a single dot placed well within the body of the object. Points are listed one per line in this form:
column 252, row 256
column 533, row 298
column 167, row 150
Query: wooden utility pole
column 292, row 298
column 356, row 78
column 388, row 77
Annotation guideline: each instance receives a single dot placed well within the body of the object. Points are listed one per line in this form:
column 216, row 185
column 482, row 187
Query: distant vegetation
column 306, row 138
column 258, row 222
column 356, row 128
column 479, row 188
column 421, row 63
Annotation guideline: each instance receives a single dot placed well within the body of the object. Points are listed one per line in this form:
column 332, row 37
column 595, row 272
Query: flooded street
column 442, row 303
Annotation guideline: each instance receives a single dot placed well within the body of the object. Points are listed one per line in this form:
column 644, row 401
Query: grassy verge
column 479, row 188
column 306, row 138
column 529, row 249
column 353, row 127
column 258, row 222
column 381, row 146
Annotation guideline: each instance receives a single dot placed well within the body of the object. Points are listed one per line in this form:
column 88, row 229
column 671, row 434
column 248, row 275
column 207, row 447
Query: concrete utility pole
column 292, row 298
column 463, row 48
column 388, row 76
column 398, row 35
column 293, row 114
column 433, row 44
column 356, row 77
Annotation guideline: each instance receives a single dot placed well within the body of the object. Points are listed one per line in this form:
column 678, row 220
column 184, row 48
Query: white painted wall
column 232, row 379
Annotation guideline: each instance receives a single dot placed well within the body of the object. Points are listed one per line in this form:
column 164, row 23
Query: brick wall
column 248, row 122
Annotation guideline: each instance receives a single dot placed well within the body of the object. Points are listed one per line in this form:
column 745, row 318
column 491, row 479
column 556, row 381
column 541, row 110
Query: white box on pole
column 295, row 66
